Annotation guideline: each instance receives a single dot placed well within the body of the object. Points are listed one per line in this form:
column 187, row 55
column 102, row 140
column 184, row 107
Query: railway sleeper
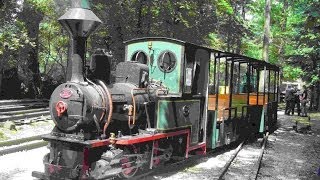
column 23, row 116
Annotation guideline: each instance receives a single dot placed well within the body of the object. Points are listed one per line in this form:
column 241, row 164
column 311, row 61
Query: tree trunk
column 243, row 15
column 149, row 18
column 318, row 96
column 266, row 37
column 139, row 18
column 1, row 73
column 229, row 34
column 32, row 20
column 283, row 27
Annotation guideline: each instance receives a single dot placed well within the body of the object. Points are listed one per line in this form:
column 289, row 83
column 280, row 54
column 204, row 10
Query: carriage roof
column 258, row 64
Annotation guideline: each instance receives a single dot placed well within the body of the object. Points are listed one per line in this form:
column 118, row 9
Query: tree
column 307, row 53
column 31, row 17
column 266, row 37
column 19, row 34
column 7, row 10
column 239, row 26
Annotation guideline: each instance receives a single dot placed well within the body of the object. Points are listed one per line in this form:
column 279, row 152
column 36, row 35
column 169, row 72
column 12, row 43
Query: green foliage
column 224, row 6
column 14, row 36
column 43, row 6
column 252, row 49
column 216, row 42
column 226, row 25
column 292, row 73
column 314, row 79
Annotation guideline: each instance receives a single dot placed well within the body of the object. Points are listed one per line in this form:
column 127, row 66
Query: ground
column 290, row 154
column 19, row 166
column 27, row 130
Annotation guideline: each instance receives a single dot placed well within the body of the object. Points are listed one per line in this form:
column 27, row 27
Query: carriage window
column 140, row 57
column 223, row 76
column 212, row 77
column 167, row 61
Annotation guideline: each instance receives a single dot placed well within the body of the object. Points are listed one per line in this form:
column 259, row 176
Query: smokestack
column 80, row 22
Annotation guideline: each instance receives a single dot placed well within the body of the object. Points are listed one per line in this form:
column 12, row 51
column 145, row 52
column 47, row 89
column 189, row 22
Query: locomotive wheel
column 107, row 166
column 156, row 161
column 100, row 168
column 168, row 153
column 129, row 163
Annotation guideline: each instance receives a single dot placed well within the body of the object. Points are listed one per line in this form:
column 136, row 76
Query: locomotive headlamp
column 150, row 45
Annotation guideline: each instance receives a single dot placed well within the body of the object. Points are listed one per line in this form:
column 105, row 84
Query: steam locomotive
column 170, row 99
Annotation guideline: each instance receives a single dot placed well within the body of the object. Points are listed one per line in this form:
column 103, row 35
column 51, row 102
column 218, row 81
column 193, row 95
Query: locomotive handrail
column 134, row 107
column 164, row 92
column 105, row 88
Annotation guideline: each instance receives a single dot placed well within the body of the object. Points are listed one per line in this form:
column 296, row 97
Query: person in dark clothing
column 304, row 100
column 290, row 101
column 297, row 100
column 286, row 97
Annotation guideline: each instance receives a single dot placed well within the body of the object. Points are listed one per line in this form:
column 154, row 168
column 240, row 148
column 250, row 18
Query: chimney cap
column 79, row 22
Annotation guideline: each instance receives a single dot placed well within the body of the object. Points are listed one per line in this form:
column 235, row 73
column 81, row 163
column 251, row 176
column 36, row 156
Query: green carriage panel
column 212, row 131
column 171, row 115
column 262, row 123
column 154, row 49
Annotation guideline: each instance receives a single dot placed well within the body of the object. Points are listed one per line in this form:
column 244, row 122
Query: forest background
column 34, row 48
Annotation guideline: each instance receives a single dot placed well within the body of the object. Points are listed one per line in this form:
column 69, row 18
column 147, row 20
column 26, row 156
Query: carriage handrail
column 229, row 109
column 242, row 109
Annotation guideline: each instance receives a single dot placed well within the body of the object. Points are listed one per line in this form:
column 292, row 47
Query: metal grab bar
column 242, row 109
column 230, row 109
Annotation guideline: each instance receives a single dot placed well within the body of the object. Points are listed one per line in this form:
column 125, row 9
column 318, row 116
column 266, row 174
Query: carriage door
column 200, row 87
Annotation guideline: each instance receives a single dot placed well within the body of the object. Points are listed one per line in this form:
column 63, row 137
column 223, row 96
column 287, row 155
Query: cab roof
column 259, row 64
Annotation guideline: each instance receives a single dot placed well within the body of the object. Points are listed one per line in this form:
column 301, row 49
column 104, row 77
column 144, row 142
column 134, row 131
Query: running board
column 200, row 147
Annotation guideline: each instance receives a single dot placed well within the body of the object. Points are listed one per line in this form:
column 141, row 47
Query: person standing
column 286, row 99
column 290, row 101
column 303, row 100
column 297, row 100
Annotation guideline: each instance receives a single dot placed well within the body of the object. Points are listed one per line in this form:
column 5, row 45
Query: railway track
column 246, row 161
column 28, row 143
column 242, row 163
column 170, row 169
column 24, row 111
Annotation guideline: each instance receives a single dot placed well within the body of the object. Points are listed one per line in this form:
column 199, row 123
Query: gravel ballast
column 290, row 154
column 19, row 166
column 27, row 130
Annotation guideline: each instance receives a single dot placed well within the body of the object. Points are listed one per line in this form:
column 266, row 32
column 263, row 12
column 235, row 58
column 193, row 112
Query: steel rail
column 227, row 165
column 258, row 163
column 34, row 145
column 19, row 141
column 256, row 166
